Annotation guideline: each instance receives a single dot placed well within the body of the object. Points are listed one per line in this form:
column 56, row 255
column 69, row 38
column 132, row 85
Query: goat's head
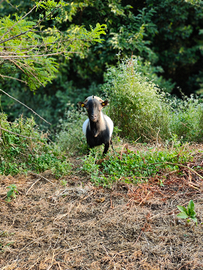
column 93, row 105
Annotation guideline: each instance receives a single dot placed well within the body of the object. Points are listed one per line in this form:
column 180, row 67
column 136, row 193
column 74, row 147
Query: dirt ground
column 80, row 226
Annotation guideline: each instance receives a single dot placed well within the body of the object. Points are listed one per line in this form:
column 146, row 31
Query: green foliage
column 178, row 41
column 96, row 176
column 188, row 213
column 24, row 148
column 186, row 118
column 20, row 53
column 29, row 47
column 136, row 166
column 11, row 193
column 63, row 30
column 69, row 39
column 136, row 105
column 141, row 110
column 126, row 35
column 70, row 137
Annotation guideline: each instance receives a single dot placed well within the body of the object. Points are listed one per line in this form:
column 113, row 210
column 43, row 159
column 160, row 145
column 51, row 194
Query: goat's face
column 94, row 107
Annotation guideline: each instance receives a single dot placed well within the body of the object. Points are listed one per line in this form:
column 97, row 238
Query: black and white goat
column 98, row 128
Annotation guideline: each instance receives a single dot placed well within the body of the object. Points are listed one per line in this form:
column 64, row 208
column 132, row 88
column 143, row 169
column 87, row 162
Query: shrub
column 136, row 105
column 141, row 110
column 24, row 148
column 186, row 118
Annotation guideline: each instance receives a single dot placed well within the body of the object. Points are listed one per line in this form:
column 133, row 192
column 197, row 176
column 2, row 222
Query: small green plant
column 63, row 182
column 11, row 194
column 188, row 213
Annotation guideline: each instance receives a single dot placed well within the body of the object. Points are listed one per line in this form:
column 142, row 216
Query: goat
column 98, row 128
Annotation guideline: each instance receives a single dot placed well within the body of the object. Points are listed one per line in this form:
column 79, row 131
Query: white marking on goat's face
column 93, row 108
column 93, row 97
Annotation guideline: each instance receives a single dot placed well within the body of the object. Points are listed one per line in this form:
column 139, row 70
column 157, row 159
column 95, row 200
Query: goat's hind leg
column 112, row 145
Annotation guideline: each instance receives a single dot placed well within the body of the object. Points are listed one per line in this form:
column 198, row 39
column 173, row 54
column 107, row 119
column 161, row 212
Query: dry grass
column 79, row 226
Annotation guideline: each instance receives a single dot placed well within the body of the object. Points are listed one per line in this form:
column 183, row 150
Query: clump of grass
column 24, row 148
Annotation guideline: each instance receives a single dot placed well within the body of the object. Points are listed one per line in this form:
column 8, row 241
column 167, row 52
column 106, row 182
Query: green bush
column 141, row 110
column 186, row 119
column 136, row 104
column 24, row 148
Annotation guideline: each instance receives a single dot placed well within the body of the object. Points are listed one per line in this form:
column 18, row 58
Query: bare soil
column 80, row 226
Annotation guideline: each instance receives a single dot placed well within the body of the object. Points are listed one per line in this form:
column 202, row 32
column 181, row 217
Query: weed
column 63, row 182
column 11, row 194
column 188, row 213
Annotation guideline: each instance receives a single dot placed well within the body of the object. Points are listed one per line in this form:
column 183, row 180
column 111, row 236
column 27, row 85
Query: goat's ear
column 82, row 104
column 104, row 103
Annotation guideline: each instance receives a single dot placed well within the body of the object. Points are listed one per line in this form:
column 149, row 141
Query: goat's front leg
column 106, row 148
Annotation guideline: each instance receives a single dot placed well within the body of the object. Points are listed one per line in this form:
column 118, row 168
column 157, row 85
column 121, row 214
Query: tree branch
column 25, row 106
column 17, row 134
column 19, row 20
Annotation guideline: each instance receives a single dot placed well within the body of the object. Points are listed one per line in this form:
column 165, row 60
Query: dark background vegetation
column 168, row 34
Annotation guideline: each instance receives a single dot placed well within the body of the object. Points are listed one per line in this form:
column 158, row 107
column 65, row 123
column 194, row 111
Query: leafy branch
column 30, row 49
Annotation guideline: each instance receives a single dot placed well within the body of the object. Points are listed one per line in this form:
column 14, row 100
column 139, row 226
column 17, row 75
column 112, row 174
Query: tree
column 178, row 42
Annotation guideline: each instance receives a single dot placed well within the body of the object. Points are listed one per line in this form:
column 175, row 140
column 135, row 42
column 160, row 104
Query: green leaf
column 182, row 208
column 191, row 205
column 194, row 219
column 182, row 215
column 10, row 193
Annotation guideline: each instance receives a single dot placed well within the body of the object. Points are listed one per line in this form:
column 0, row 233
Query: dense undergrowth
column 24, row 148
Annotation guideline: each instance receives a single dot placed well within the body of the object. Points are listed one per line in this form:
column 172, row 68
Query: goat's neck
column 97, row 127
